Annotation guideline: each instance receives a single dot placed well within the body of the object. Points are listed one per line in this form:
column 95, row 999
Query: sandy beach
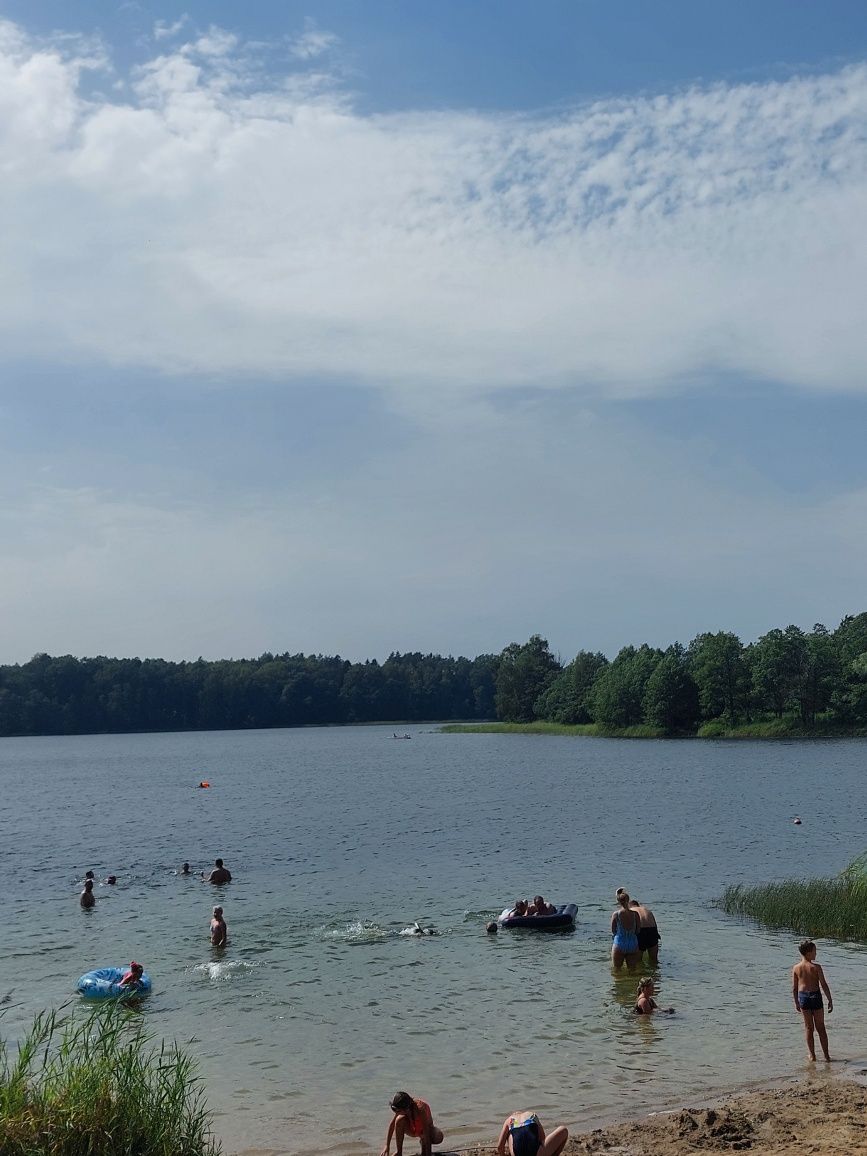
column 817, row 1115
column 821, row 1113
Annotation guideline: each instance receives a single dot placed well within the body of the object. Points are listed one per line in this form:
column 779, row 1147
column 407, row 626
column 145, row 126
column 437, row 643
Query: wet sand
column 822, row 1113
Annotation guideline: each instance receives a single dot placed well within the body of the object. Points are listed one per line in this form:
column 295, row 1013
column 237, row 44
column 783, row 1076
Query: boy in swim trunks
column 412, row 1117
column 525, row 1136
column 808, row 983
column 648, row 932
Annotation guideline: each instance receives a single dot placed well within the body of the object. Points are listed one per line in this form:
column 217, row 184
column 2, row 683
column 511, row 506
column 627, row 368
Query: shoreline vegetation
column 834, row 908
column 789, row 683
column 758, row 729
column 97, row 1084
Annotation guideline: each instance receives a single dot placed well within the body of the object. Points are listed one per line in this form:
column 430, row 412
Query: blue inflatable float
column 104, row 983
column 562, row 919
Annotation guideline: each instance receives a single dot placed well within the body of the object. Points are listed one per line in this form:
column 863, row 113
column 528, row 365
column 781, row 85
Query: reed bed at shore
column 97, row 1085
column 833, row 908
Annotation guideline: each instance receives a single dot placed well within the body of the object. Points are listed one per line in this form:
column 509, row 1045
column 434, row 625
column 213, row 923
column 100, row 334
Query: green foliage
column 525, row 673
column 71, row 696
column 788, row 683
column 719, row 665
column 97, row 1086
column 832, row 908
column 617, row 697
column 671, row 695
column 567, row 698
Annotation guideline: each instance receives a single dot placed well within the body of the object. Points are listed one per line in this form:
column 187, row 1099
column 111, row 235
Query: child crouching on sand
column 807, row 980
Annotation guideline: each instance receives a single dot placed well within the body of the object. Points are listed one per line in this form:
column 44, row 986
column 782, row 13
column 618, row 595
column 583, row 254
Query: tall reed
column 98, row 1085
column 831, row 908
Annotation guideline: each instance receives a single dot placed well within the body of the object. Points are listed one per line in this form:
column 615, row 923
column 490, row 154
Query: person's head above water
column 401, row 1102
column 520, row 906
column 218, row 862
column 645, row 985
column 622, row 897
column 218, row 911
column 136, row 968
column 88, row 875
column 112, row 879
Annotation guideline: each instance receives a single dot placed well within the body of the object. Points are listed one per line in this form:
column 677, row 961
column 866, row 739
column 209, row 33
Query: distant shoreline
column 777, row 729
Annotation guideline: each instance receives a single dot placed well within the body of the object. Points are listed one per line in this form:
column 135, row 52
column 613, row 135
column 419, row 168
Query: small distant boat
column 396, row 736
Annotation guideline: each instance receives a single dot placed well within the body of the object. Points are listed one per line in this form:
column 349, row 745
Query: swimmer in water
column 219, row 931
column 87, row 898
column 645, row 1004
column 220, row 874
column 185, row 869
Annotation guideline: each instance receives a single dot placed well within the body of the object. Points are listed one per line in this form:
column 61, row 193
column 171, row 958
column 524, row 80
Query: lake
column 338, row 839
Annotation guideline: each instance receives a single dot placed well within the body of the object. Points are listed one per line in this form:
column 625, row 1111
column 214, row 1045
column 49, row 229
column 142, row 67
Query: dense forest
column 811, row 682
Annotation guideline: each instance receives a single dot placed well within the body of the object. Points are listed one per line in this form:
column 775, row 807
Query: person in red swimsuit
column 131, row 978
column 412, row 1117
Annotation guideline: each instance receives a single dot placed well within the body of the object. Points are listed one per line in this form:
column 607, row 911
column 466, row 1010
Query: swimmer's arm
column 824, row 985
column 795, row 988
column 614, row 923
column 501, row 1143
column 540, row 1131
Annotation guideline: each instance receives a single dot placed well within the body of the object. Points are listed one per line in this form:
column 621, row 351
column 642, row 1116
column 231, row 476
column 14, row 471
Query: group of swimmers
column 539, row 906
column 219, row 932
column 522, row 1133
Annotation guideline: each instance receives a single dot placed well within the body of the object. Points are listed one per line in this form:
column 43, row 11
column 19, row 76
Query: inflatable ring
column 104, row 983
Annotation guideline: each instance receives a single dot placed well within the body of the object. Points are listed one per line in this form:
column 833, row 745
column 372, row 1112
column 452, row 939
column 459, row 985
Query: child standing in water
column 807, row 980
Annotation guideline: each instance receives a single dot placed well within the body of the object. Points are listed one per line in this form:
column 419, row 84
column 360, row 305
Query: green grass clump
column 506, row 728
column 828, row 908
column 99, row 1086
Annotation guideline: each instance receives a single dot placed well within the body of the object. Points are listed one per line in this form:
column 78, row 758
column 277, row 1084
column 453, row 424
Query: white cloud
column 312, row 42
column 219, row 225
column 165, row 30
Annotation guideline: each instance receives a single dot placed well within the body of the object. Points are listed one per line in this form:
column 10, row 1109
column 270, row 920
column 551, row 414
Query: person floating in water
column 808, row 983
column 220, row 874
column 185, row 869
column 522, row 1134
column 412, row 1117
column 520, row 909
column 219, row 931
column 624, row 928
column 87, row 898
column 645, row 1004
column 112, row 880
column 540, row 906
column 648, row 932
column 131, row 978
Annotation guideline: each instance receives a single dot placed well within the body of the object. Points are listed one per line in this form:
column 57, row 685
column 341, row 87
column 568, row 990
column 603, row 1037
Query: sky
column 368, row 326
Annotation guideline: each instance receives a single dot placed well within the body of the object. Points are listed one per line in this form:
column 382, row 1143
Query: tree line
column 814, row 679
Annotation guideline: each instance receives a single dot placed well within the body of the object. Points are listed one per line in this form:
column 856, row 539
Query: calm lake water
column 339, row 839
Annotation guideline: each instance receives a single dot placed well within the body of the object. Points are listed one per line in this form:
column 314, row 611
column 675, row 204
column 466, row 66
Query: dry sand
column 828, row 1117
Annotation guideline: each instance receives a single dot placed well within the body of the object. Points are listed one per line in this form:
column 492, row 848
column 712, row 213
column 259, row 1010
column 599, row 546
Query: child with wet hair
column 645, row 1004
